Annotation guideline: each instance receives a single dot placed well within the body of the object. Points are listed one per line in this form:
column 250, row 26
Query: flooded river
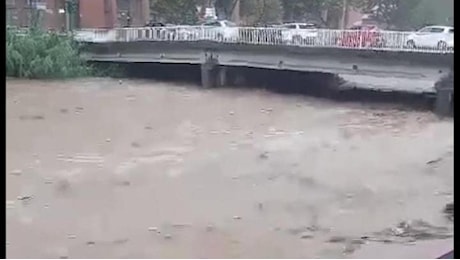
column 103, row 168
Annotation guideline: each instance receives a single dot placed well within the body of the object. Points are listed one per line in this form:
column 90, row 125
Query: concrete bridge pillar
column 445, row 95
column 212, row 74
column 222, row 76
column 208, row 75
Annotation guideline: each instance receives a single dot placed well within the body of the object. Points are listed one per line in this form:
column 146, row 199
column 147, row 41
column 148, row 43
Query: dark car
column 154, row 24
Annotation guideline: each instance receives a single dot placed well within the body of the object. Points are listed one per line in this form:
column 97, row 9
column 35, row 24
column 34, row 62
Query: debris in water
column 90, row 243
column 357, row 242
column 415, row 230
column 135, row 144
column 72, row 236
column 122, row 183
column 108, row 140
column 210, row 228
column 63, row 185
column 120, row 82
column 16, row 172
column 153, row 229
column 306, row 235
column 180, row 225
column 231, row 113
column 31, row 117
column 349, row 249
column 64, row 110
column 336, row 239
column 63, row 253
column 449, row 210
column 263, row 155
column 24, row 198
column 120, row 241
column 167, row 236
column 9, row 204
column 434, row 161
column 236, row 217
column 260, row 206
column 48, row 181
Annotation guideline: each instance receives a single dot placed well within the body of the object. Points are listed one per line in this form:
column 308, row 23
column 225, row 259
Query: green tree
column 174, row 11
column 432, row 12
column 303, row 10
column 256, row 12
column 408, row 14
column 225, row 8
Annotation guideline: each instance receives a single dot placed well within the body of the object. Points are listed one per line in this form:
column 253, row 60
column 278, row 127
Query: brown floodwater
column 104, row 168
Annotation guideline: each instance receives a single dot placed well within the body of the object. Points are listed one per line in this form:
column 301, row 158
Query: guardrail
column 349, row 39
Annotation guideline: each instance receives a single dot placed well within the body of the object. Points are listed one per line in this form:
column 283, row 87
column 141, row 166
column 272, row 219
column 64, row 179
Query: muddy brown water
column 102, row 168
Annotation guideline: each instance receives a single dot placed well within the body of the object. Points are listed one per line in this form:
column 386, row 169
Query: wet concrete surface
column 106, row 168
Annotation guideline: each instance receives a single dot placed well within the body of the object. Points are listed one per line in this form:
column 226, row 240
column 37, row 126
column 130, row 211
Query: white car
column 299, row 33
column 436, row 37
column 220, row 30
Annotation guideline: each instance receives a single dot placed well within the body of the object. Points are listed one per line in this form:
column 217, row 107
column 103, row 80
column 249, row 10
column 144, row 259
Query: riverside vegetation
column 40, row 55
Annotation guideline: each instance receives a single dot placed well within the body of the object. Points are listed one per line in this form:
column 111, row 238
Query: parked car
column 297, row 33
column 161, row 30
column 154, row 24
column 220, row 30
column 436, row 37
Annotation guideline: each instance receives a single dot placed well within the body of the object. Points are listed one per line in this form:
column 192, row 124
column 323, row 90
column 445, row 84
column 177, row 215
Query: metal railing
column 348, row 39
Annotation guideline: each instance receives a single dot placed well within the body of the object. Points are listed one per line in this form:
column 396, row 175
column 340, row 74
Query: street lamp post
column 345, row 14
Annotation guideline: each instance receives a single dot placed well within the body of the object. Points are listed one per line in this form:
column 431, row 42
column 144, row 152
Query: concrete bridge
column 377, row 67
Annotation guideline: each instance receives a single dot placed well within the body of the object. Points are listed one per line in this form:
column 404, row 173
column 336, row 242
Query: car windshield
column 437, row 30
column 229, row 24
column 425, row 29
column 212, row 24
column 307, row 26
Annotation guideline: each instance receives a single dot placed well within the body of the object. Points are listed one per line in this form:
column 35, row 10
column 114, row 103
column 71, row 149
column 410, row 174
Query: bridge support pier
column 213, row 76
column 444, row 95
column 444, row 101
column 222, row 76
column 208, row 75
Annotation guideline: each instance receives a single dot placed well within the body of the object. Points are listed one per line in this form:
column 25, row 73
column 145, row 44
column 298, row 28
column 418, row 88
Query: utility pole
column 236, row 12
column 344, row 14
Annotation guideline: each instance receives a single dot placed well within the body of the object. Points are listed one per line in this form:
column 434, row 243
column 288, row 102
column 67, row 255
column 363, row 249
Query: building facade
column 54, row 14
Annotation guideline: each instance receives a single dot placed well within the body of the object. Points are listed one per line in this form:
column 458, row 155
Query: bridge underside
column 368, row 69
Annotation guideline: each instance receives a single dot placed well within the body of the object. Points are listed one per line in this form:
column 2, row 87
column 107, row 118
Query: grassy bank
column 38, row 55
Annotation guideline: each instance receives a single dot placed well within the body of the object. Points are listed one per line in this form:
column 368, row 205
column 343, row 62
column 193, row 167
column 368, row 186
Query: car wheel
column 411, row 44
column 442, row 45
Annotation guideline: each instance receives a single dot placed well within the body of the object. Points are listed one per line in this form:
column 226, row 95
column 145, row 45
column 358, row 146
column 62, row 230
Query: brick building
column 89, row 14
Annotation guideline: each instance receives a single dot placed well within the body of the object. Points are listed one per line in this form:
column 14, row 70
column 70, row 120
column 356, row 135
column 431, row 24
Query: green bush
column 34, row 54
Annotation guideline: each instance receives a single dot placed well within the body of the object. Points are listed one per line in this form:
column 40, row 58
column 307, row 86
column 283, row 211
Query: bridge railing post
column 350, row 39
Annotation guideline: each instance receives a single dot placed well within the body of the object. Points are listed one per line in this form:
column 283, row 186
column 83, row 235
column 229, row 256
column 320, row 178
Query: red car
column 361, row 37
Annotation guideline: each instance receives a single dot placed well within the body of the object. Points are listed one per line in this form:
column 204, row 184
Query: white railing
column 348, row 39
